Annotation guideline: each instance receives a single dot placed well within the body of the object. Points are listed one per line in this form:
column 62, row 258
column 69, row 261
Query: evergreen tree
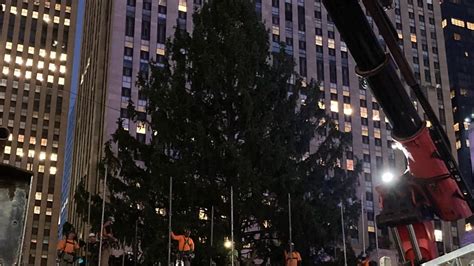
column 224, row 112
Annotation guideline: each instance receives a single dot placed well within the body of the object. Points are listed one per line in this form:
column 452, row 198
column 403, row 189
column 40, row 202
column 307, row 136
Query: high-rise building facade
column 137, row 33
column 458, row 25
column 36, row 44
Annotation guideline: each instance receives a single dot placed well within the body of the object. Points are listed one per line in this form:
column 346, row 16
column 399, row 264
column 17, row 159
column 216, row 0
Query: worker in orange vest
column 67, row 249
column 292, row 257
column 185, row 246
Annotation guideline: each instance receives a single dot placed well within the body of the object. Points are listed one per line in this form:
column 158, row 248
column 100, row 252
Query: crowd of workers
column 68, row 248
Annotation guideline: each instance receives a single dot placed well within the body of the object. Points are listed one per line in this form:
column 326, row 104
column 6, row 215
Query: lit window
column 457, row 36
column 67, row 22
column 50, row 78
column 444, row 23
column 41, row 168
column 31, row 153
column 331, row 43
column 343, row 46
column 321, row 105
column 182, row 6
column 347, row 109
column 466, row 125
column 24, row 12
column 62, row 69
column 467, row 227
column 468, row 143
column 9, row 45
column 5, row 70
column 42, row 52
column 7, row 58
column 458, row 144
column 52, row 54
column 319, row 40
column 46, row 18
column 202, row 215
column 32, row 140
column 42, row 155
column 7, row 149
column 21, row 138
column 28, row 74
column 456, row 127
column 141, row 128
column 61, row 81
column 56, row 19
column 438, row 235
column 470, row 25
column 44, row 142
column 365, row 131
column 38, row 195
column 457, row 22
column 50, row 197
column 19, row 60
column 37, row 210
column 39, row 76
column 376, row 115
column 35, row 14
column 13, row 10
column 52, row 67
column 17, row 73
column 48, row 211
column 31, row 50
column 29, row 62
column 19, row 152
column 377, row 133
column 40, row 65
column 413, row 37
column 19, row 47
column 347, row 127
column 57, row 7
column 371, row 229
column 363, row 112
column 334, row 106
column 350, row 165
column 63, row 57
column 52, row 170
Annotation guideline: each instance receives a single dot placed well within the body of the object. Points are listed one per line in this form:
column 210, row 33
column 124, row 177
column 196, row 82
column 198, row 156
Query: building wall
column 36, row 44
column 458, row 25
column 319, row 53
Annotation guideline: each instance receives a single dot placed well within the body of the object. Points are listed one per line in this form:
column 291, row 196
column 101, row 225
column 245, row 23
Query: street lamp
column 227, row 243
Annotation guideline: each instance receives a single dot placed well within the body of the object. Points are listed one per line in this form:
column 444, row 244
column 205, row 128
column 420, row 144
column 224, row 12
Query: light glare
column 387, row 177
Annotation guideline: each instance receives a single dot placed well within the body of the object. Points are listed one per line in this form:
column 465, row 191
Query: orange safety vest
column 68, row 246
column 184, row 243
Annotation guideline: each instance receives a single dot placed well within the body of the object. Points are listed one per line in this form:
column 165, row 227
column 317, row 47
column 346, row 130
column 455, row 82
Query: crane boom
column 432, row 184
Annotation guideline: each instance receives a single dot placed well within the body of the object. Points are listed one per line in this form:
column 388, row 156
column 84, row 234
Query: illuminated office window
column 38, row 195
column 334, row 106
column 470, row 25
column 19, row 152
column 457, row 22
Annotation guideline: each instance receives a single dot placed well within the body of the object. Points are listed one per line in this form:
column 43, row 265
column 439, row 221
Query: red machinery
column 432, row 184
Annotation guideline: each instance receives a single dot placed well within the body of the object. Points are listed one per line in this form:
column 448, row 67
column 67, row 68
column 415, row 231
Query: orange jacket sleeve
column 61, row 244
column 173, row 236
